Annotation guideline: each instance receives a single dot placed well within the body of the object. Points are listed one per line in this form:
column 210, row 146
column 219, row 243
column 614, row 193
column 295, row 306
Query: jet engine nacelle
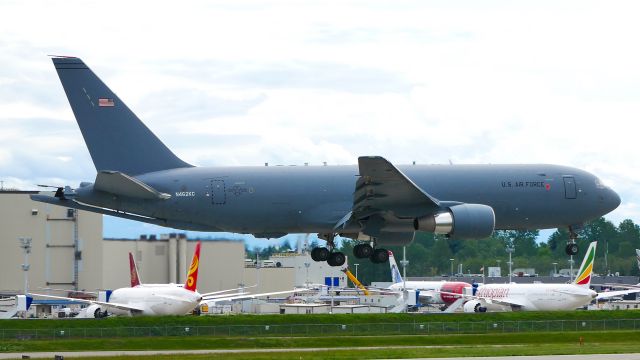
column 474, row 306
column 464, row 221
column 94, row 311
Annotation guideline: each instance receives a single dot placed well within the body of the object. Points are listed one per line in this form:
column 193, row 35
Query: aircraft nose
column 611, row 199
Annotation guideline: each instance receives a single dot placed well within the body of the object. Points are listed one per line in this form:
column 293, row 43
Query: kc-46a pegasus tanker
column 139, row 178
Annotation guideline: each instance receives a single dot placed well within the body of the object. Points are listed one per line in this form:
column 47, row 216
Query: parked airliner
column 533, row 297
column 161, row 299
column 430, row 292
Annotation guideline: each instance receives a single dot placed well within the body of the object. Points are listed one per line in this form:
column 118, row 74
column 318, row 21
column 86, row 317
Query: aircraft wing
column 578, row 292
column 115, row 182
column 503, row 302
column 610, row 294
column 224, row 296
column 101, row 303
column 384, row 198
column 250, row 296
column 226, row 291
column 382, row 187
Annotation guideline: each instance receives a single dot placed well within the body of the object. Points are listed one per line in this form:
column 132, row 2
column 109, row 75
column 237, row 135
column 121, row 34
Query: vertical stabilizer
column 133, row 269
column 192, row 274
column 395, row 272
column 586, row 269
column 116, row 138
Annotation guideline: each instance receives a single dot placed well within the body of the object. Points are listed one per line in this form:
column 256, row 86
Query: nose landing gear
column 572, row 248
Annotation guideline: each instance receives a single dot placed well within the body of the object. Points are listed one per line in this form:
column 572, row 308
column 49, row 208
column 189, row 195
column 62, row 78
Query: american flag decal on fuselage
column 106, row 102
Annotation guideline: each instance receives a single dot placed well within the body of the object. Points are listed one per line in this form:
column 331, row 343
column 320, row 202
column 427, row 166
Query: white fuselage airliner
column 157, row 299
column 541, row 297
column 430, row 292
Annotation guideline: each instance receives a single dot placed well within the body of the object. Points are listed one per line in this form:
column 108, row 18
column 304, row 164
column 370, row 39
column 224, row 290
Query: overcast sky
column 244, row 83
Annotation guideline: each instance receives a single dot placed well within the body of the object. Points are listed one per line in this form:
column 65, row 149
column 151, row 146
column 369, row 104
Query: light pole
column 25, row 244
column 571, row 268
column 307, row 264
column 555, row 271
column 451, row 266
column 404, row 262
column 510, row 250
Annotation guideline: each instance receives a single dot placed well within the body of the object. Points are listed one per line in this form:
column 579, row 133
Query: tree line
column 429, row 254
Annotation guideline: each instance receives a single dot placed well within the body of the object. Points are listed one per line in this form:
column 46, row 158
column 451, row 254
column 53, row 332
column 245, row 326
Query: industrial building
column 65, row 245
column 68, row 252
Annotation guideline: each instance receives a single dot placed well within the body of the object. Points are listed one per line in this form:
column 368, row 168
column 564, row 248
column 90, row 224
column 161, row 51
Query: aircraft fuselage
column 275, row 200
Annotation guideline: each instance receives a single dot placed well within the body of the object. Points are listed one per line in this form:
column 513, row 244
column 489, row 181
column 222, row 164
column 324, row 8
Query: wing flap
column 117, row 183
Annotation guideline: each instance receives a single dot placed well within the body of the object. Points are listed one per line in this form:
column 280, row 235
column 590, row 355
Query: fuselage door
column 218, row 192
column 569, row 187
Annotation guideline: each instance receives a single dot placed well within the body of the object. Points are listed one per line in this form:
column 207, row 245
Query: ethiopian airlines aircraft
column 533, row 297
column 430, row 292
column 157, row 299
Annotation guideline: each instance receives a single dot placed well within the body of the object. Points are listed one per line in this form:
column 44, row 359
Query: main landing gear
column 333, row 258
column 572, row 248
column 377, row 256
column 336, row 258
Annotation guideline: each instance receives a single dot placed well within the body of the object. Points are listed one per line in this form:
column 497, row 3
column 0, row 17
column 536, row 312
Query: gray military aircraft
column 139, row 178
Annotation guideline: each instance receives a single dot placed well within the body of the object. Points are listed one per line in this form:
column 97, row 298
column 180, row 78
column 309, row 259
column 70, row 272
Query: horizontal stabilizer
column 117, row 183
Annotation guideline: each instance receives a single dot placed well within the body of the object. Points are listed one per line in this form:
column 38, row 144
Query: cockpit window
column 600, row 184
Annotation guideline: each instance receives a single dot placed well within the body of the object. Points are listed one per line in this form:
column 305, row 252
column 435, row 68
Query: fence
column 417, row 328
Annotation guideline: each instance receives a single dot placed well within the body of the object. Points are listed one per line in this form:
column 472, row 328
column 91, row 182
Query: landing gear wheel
column 362, row 251
column 336, row 259
column 572, row 249
column 320, row 254
column 380, row 256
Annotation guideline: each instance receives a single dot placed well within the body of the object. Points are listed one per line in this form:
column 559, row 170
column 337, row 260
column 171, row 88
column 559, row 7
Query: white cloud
column 232, row 83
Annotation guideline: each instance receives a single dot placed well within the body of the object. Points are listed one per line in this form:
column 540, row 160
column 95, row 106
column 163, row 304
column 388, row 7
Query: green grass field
column 400, row 346
column 445, row 334
column 226, row 320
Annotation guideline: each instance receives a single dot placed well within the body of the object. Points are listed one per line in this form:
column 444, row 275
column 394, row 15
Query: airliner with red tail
column 430, row 292
column 147, row 299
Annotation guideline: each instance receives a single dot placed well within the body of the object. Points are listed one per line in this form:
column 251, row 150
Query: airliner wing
column 226, row 291
column 610, row 294
column 504, row 302
column 577, row 292
column 101, row 303
column 382, row 187
column 250, row 296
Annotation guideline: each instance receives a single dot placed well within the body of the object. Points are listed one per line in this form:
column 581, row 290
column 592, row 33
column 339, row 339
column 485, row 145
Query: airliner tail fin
column 192, row 275
column 586, row 269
